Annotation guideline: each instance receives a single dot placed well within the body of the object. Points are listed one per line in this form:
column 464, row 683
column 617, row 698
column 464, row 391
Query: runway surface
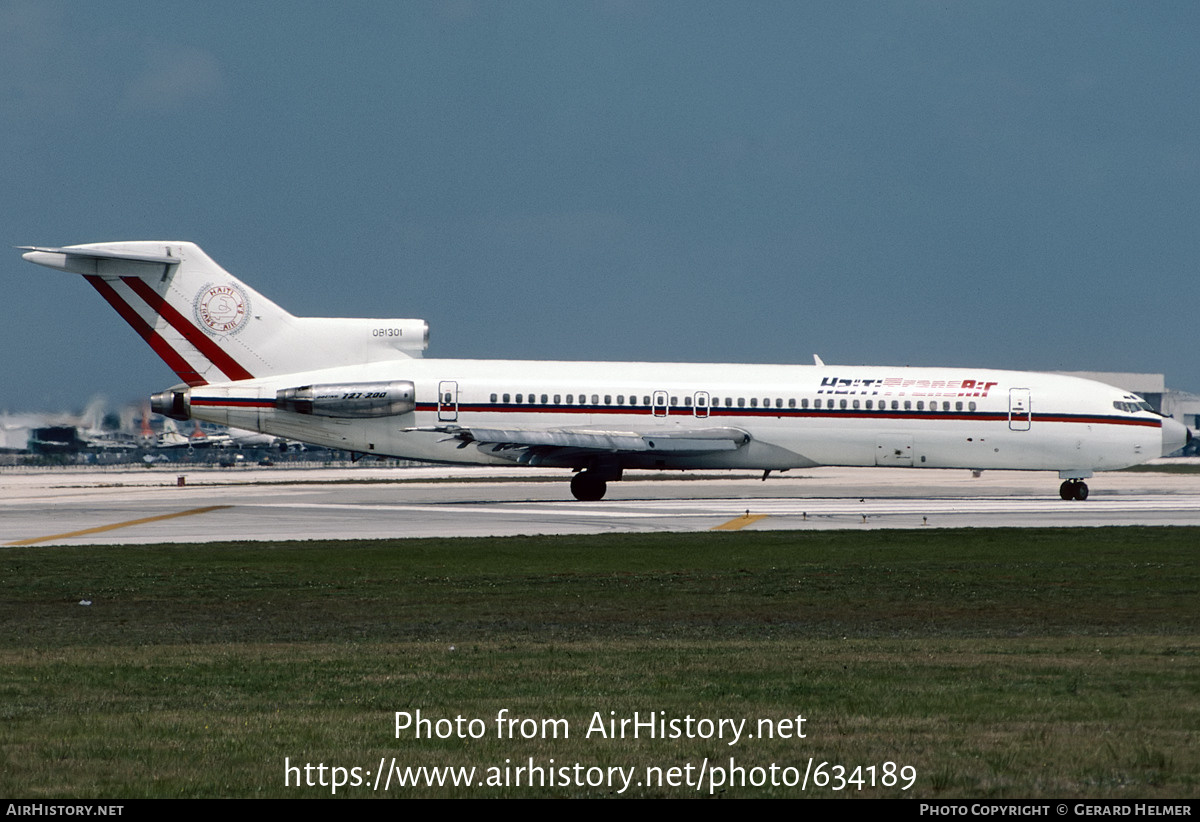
column 141, row 506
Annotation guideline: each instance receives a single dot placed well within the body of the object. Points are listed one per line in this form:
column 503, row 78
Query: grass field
column 994, row 663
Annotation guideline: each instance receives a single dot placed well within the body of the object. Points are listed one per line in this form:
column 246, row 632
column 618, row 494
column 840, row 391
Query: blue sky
column 1008, row 185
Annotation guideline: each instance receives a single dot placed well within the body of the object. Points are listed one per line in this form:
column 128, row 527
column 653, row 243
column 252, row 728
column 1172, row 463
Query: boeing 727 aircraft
column 362, row 385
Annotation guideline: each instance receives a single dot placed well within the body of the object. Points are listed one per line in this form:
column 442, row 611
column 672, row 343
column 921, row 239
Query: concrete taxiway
column 141, row 506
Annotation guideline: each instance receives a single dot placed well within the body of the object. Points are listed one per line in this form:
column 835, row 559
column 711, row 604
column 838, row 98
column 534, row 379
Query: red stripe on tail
column 204, row 344
column 169, row 355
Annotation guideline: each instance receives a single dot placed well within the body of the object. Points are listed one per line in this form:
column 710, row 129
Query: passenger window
column 595, row 399
column 519, row 396
column 804, row 402
column 958, row 406
column 908, row 405
column 557, row 399
column 842, row 403
column 817, row 403
column 754, row 402
column 792, row 402
column 920, row 405
column 545, row 399
column 972, row 406
column 493, row 397
column 741, row 402
column 856, row 404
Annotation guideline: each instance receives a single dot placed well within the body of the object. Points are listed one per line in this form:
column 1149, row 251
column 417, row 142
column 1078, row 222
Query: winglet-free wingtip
column 817, row 360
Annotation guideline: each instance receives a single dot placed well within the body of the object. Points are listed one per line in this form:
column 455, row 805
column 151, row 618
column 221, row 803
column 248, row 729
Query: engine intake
column 172, row 403
column 350, row 400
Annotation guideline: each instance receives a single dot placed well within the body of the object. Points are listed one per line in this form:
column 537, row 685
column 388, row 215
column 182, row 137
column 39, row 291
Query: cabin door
column 659, row 404
column 1020, row 413
column 447, row 401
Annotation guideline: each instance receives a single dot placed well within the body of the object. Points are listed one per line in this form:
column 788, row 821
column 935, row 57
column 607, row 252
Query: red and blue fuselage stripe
column 727, row 413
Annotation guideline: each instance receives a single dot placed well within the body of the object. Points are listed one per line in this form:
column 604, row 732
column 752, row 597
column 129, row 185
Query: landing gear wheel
column 1073, row 489
column 587, row 488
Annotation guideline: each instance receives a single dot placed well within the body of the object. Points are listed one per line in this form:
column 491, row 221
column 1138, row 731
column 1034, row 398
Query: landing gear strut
column 1073, row 489
column 587, row 487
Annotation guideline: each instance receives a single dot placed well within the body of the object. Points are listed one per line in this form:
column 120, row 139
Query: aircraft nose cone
column 1175, row 435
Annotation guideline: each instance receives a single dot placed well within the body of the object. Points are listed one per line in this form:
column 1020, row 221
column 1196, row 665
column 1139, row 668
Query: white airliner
column 361, row 385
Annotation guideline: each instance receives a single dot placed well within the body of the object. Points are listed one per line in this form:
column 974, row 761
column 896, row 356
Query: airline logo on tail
column 222, row 309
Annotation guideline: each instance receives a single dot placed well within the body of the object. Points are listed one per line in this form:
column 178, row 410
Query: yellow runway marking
column 116, row 525
column 738, row 523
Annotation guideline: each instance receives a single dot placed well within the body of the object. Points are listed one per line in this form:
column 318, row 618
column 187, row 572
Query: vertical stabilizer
column 208, row 326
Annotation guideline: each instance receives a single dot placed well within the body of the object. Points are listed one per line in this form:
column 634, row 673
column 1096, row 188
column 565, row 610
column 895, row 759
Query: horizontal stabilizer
column 58, row 257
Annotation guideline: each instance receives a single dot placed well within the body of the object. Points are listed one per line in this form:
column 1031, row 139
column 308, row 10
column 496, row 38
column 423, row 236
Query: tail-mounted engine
column 350, row 400
column 172, row 403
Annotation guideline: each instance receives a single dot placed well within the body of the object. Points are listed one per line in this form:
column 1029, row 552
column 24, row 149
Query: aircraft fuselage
column 796, row 416
column 363, row 385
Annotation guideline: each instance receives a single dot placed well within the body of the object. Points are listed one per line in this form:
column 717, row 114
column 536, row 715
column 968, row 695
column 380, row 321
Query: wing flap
column 683, row 441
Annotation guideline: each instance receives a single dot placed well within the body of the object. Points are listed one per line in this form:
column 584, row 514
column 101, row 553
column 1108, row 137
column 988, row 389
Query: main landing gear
column 1073, row 489
column 588, row 487
column 592, row 479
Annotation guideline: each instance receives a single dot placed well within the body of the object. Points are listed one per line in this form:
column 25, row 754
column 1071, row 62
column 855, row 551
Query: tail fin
column 210, row 327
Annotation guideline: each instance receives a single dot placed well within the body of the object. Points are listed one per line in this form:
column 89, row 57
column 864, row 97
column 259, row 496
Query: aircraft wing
column 541, row 445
